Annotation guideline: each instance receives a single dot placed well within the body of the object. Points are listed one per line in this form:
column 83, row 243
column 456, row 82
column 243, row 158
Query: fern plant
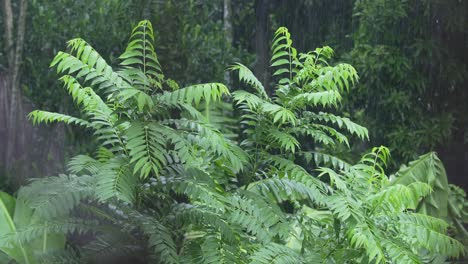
column 140, row 118
column 147, row 127
column 167, row 186
column 355, row 215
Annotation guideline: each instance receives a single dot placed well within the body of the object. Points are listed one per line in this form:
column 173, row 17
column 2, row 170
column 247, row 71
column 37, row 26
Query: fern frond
column 194, row 94
column 426, row 221
column 279, row 113
column 283, row 189
column 361, row 236
column 212, row 249
column 397, row 198
column 140, row 52
column 282, row 47
column 430, row 170
column 320, row 158
column 160, row 239
column 84, row 97
column 47, row 198
column 322, row 133
column 147, row 148
column 203, row 216
column 286, row 141
column 247, row 76
column 211, row 139
column 252, row 101
column 341, row 122
column 46, row 117
column 83, row 164
column 293, row 171
column 255, row 220
column 94, row 69
column 202, row 194
column 337, row 78
column 109, row 132
column 89, row 64
column 115, row 179
column 400, row 252
column 421, row 233
column 34, row 231
column 345, row 206
column 276, row 253
column 324, row 98
column 182, row 146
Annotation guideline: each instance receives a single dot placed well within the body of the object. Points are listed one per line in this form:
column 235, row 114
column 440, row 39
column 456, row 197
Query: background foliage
column 290, row 133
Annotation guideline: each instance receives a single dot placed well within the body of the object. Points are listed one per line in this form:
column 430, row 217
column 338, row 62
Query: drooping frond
column 429, row 233
column 293, row 171
column 340, row 77
column 258, row 221
column 194, row 94
column 211, row 139
column 276, row 253
column 84, row 97
column 160, row 240
column 341, row 122
column 115, row 179
column 283, row 189
column 324, row 98
column 251, row 100
column 55, row 229
column 279, row 113
column 397, row 198
column 345, row 207
column 361, row 236
column 320, row 158
column 203, row 216
column 284, row 140
column 87, row 63
column 83, row 164
column 48, row 198
column 202, row 193
column 84, row 62
column 400, row 252
column 46, row 117
column 214, row 251
column 430, row 170
column 247, row 76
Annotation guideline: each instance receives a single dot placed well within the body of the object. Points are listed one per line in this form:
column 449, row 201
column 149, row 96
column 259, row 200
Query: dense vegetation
column 165, row 184
column 173, row 145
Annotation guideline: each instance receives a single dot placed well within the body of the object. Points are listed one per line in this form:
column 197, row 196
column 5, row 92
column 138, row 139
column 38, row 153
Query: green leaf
column 430, row 170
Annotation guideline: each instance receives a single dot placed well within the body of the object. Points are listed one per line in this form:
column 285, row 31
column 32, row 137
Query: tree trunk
column 261, row 42
column 228, row 33
column 8, row 30
column 15, row 57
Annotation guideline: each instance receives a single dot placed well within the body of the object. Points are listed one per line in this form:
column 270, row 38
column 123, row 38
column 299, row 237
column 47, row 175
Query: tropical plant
column 329, row 223
column 166, row 186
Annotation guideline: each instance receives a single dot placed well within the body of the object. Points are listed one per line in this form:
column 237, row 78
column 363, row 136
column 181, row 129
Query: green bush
column 166, row 186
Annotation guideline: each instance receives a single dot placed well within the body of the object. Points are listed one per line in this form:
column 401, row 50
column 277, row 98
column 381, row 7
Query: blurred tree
column 190, row 34
column 13, row 18
column 414, row 77
column 29, row 83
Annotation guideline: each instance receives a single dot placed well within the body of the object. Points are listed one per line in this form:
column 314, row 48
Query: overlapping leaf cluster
column 166, row 186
